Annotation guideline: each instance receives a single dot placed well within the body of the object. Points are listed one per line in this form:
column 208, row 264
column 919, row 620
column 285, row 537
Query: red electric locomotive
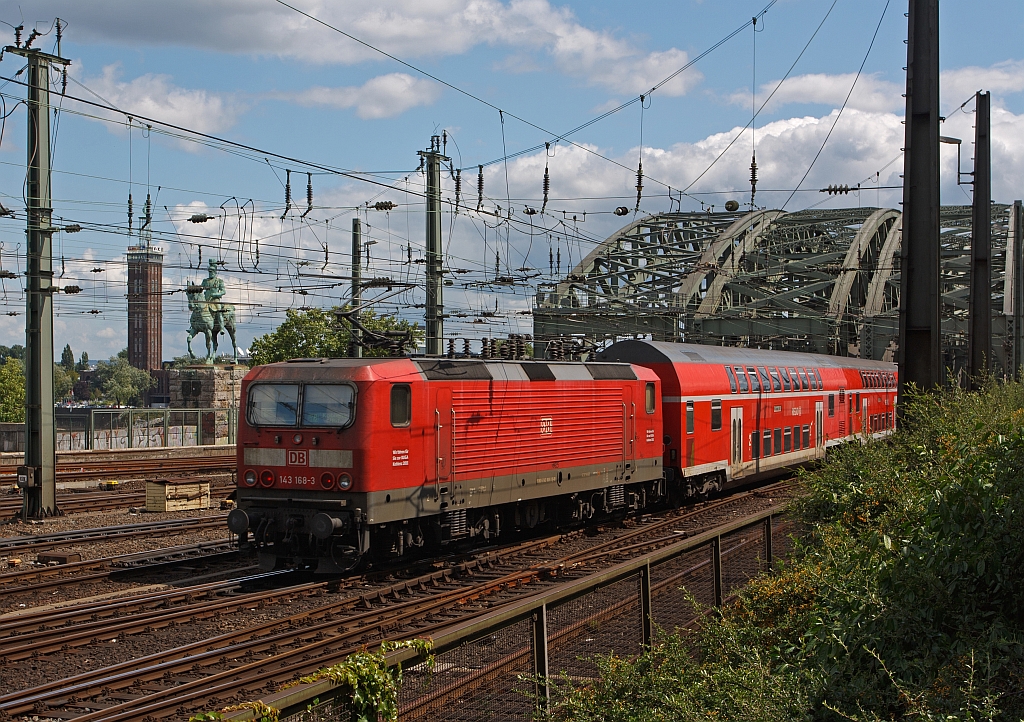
column 341, row 458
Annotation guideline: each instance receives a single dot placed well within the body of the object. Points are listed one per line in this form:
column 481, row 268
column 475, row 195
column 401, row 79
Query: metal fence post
column 645, row 604
column 131, row 428
column 716, row 562
column 90, row 429
column 768, row 541
column 167, row 426
column 540, row 657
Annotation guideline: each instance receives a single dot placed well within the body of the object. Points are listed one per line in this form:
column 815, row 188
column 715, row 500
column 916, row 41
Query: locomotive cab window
column 716, row 415
column 327, row 404
column 649, row 398
column 401, row 405
column 273, row 404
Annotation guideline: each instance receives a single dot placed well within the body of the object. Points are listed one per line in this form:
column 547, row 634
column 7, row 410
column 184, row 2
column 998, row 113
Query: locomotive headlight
column 267, row 477
column 297, row 439
column 249, row 478
column 344, row 482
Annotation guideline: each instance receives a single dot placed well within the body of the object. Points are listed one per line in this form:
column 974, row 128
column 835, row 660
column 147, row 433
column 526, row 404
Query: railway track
column 81, row 502
column 31, row 542
column 134, row 468
column 247, row 662
column 38, row 579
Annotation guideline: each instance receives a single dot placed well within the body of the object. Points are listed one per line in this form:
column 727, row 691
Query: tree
column 83, row 365
column 67, row 358
column 316, row 333
column 12, row 390
column 119, row 381
column 64, row 380
column 16, row 351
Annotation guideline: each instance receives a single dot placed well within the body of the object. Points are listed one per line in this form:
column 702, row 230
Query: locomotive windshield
column 273, row 404
column 327, row 404
column 321, row 404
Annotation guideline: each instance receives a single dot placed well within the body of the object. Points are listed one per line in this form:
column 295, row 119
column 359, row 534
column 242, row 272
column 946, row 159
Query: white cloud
column 1002, row 79
column 382, row 97
column 871, row 94
column 155, row 96
column 410, row 29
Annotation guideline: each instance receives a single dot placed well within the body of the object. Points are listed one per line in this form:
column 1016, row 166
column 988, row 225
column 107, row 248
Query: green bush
column 905, row 599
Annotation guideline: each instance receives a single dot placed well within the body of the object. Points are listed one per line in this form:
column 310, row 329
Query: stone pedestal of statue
column 208, row 386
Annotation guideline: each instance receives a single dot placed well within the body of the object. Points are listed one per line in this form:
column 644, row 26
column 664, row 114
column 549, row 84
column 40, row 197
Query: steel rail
column 79, row 536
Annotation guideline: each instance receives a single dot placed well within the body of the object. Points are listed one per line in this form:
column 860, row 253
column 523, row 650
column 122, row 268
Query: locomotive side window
column 716, row 415
column 401, row 405
column 327, row 404
column 755, row 385
column 273, row 404
column 831, row 405
column 648, row 399
column 732, row 379
column 689, row 417
column 742, row 379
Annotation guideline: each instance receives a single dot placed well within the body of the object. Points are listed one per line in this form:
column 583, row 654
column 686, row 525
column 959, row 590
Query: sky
column 499, row 79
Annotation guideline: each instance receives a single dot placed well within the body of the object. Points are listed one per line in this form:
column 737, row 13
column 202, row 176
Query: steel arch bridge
column 816, row 280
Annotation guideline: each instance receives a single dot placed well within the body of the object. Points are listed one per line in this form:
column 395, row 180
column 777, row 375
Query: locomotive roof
column 642, row 351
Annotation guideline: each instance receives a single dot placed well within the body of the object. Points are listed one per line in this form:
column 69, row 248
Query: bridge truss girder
column 816, row 280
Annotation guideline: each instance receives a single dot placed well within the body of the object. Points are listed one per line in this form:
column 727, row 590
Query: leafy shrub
column 905, row 600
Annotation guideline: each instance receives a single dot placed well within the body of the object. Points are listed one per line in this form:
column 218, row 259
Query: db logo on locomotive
column 298, row 457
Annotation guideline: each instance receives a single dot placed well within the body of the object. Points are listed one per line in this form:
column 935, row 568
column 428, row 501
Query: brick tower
column 145, row 306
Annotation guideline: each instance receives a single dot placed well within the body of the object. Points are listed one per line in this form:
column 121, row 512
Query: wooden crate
column 167, row 495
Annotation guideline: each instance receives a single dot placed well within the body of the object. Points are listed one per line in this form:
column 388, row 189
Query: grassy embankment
column 904, row 601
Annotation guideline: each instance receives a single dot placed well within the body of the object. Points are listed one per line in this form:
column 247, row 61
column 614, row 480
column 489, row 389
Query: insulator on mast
column 131, row 212
column 309, row 195
column 480, row 188
column 753, row 179
column 639, row 183
column 547, row 179
column 458, row 187
column 551, row 262
column 148, row 211
column 287, row 193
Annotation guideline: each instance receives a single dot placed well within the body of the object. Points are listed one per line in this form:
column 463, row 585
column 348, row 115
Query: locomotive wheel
column 531, row 514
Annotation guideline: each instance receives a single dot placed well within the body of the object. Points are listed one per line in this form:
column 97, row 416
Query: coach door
column 736, row 455
column 819, row 421
column 443, row 436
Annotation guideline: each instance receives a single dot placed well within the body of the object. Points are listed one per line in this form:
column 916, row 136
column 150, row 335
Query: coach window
column 732, row 379
column 649, row 398
column 766, row 382
column 787, row 435
column 716, row 415
column 776, row 383
column 755, row 385
column 807, row 436
column 821, row 384
column 785, row 378
column 689, row 417
column 401, row 405
column 796, row 438
column 767, row 443
column 778, row 441
column 796, row 380
column 742, row 377
column 804, row 383
column 755, row 444
column 831, row 405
